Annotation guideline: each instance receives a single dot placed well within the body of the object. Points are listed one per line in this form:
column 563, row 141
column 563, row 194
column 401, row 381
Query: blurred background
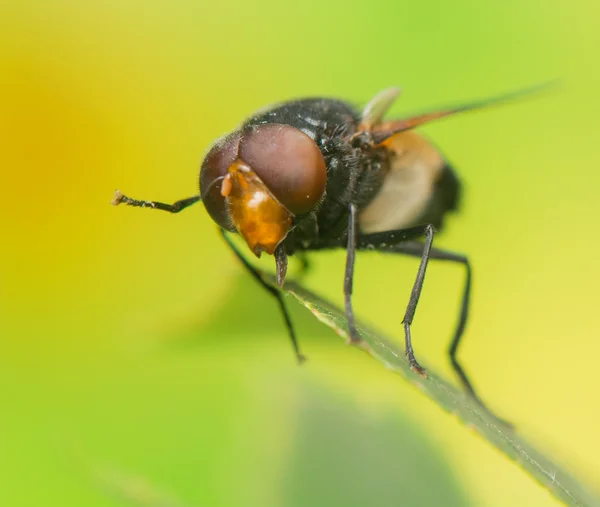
column 139, row 363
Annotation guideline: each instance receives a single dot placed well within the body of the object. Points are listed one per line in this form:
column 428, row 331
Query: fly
column 316, row 174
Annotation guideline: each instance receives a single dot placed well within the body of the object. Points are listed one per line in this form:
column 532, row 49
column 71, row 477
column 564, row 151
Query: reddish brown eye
column 215, row 166
column 288, row 162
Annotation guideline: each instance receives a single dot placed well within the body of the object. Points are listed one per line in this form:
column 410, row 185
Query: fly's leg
column 353, row 334
column 380, row 242
column 256, row 274
column 176, row 207
column 372, row 241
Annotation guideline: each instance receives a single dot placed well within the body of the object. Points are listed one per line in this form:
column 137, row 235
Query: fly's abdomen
column 414, row 185
column 446, row 197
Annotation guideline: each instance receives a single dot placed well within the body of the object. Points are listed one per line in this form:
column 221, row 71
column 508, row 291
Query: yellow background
column 132, row 340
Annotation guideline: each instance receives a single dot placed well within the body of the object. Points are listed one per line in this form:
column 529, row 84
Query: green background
column 136, row 356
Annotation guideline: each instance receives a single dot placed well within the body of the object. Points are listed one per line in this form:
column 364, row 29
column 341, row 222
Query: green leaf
column 556, row 479
column 343, row 456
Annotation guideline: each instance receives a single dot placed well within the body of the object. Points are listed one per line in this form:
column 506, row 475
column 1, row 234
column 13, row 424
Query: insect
column 316, row 174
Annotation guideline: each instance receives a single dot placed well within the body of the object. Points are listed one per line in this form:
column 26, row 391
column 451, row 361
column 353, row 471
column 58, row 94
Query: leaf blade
column 558, row 481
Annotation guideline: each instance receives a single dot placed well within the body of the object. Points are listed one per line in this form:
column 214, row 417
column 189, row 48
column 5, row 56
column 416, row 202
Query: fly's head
column 255, row 181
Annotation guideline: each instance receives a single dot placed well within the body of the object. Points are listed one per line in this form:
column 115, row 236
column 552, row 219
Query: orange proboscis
column 262, row 220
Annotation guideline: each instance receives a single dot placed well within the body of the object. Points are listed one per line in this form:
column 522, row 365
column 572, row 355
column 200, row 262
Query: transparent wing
column 383, row 131
column 374, row 111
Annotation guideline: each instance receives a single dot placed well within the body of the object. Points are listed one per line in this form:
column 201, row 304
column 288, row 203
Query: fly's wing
column 419, row 186
column 374, row 111
column 384, row 130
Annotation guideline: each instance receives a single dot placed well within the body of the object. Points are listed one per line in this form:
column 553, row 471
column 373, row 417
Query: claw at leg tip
column 352, row 340
column 419, row 370
column 117, row 199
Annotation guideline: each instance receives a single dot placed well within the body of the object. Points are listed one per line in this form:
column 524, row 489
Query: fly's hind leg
column 374, row 242
column 416, row 249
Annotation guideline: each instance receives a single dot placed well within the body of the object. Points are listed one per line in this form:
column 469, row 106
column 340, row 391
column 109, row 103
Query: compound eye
column 288, row 162
column 213, row 170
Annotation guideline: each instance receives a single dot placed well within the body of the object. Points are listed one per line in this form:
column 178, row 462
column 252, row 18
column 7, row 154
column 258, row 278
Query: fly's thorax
column 355, row 173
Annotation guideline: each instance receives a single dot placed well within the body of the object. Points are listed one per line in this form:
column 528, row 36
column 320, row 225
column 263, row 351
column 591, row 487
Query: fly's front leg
column 176, row 207
column 257, row 275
